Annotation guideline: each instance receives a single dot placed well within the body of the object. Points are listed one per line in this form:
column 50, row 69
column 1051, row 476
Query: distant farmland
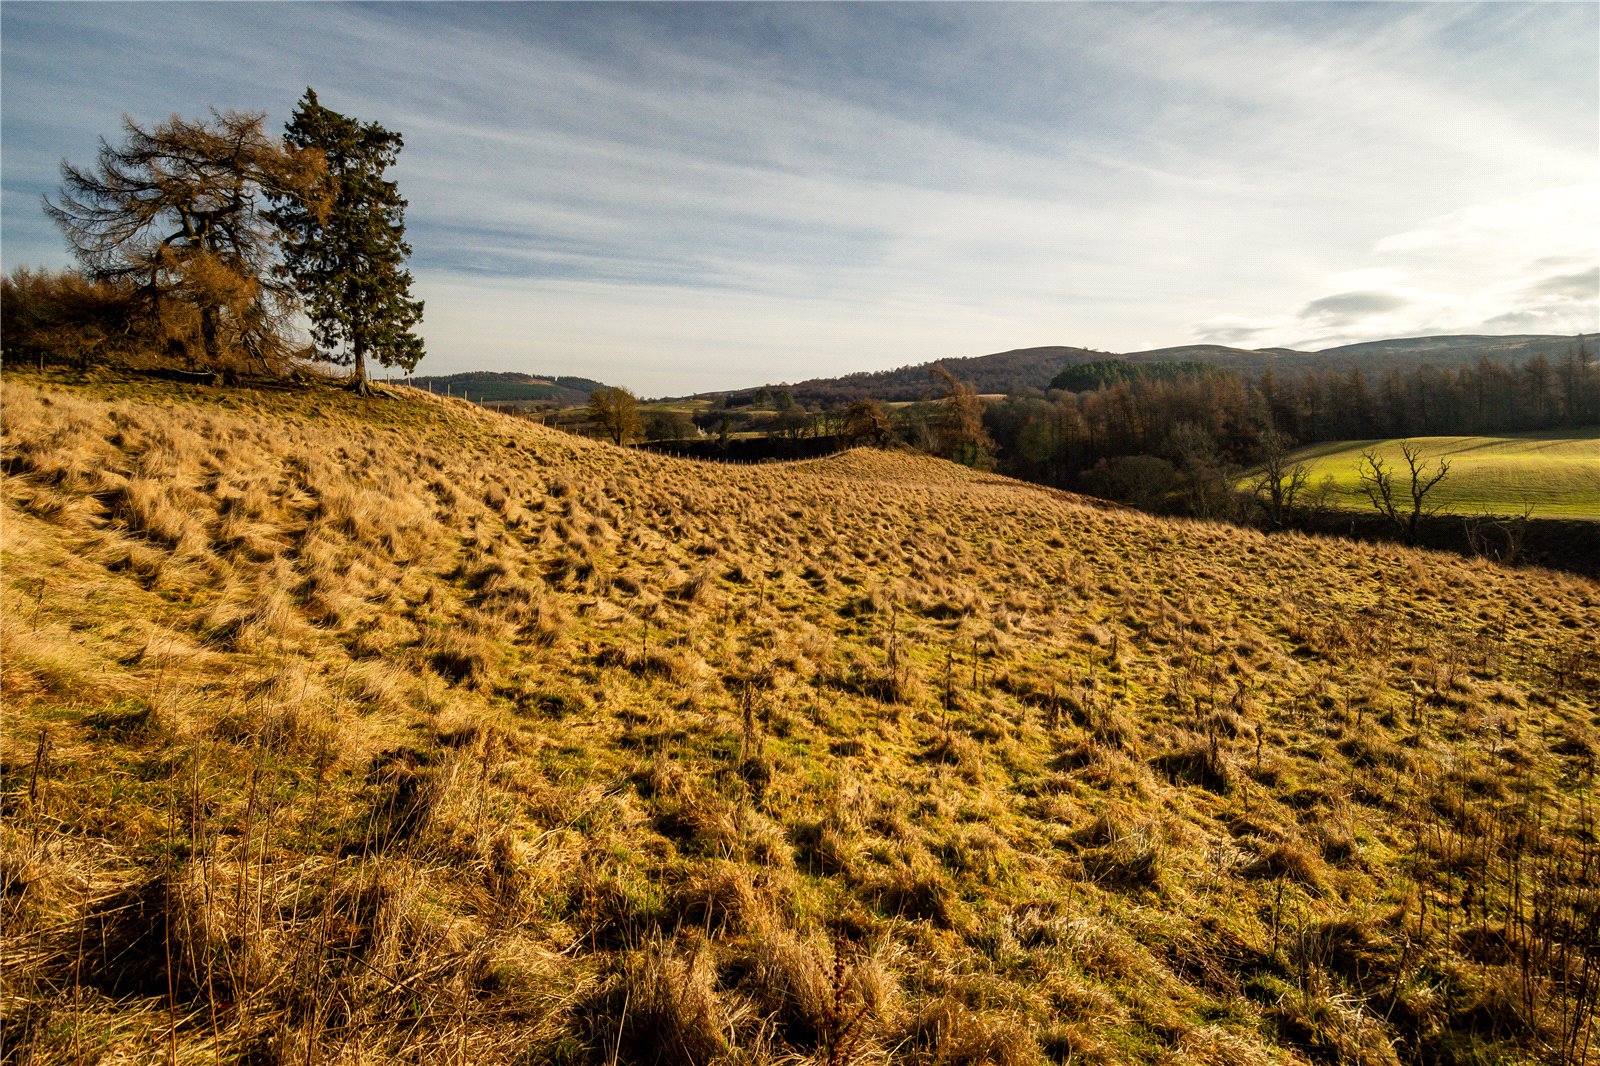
column 1556, row 473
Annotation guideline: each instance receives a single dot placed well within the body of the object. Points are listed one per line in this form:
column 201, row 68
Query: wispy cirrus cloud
column 685, row 196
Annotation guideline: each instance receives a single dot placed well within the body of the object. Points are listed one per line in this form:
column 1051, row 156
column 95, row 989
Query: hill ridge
column 1020, row 369
column 510, row 386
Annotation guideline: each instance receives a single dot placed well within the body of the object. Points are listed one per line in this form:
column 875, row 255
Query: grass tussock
column 664, row 1009
column 349, row 731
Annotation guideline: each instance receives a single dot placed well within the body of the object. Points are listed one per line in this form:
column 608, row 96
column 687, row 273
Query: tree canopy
column 616, row 411
column 1103, row 373
column 348, row 262
column 867, row 422
column 179, row 211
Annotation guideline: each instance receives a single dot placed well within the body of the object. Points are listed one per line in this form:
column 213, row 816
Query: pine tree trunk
column 359, row 385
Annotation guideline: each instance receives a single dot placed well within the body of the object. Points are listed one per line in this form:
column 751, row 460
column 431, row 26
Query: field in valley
column 396, row 730
column 1552, row 475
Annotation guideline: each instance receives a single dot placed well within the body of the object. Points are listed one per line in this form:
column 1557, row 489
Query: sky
column 686, row 197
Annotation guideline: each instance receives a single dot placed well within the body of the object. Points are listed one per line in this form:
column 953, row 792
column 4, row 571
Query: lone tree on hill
column 959, row 434
column 1378, row 483
column 348, row 263
column 178, row 211
column 867, row 422
column 617, row 412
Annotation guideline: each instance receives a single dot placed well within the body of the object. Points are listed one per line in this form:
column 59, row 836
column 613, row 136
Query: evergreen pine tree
column 348, row 263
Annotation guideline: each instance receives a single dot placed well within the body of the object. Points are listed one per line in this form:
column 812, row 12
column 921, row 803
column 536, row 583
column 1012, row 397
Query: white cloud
column 1541, row 223
column 676, row 197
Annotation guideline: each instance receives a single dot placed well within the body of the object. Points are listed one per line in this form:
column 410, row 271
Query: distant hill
column 482, row 385
column 1086, row 377
column 1455, row 350
column 1405, row 353
column 1034, row 368
column 1001, row 372
column 1213, row 355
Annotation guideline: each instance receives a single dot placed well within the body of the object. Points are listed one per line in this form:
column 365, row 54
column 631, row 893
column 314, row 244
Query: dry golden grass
column 399, row 731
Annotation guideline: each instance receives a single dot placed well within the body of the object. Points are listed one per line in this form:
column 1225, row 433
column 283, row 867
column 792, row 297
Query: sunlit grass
column 402, row 731
column 1554, row 474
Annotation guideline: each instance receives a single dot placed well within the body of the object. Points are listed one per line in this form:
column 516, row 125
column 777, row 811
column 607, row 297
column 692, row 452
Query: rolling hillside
column 1552, row 475
column 1011, row 371
column 347, row 731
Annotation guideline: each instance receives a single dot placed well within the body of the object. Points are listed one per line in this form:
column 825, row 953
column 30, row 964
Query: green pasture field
column 1556, row 473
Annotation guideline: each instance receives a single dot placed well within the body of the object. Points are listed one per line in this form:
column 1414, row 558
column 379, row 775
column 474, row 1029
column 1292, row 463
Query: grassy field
column 400, row 731
column 1556, row 474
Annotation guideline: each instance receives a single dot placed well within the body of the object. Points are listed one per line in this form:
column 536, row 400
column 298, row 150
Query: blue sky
column 679, row 197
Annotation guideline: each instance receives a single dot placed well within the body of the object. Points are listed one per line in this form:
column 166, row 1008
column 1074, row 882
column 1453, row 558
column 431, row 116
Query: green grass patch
column 1555, row 473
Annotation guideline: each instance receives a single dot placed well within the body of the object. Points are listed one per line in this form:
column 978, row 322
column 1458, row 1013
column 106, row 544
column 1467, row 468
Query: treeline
column 1172, row 438
column 202, row 244
column 1488, row 396
column 1023, row 369
column 1104, row 373
column 1169, row 436
column 767, row 424
column 1175, row 444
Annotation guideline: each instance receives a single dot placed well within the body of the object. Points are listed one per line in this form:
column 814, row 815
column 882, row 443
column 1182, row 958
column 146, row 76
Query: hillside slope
column 1013, row 371
column 510, row 387
column 402, row 731
column 1548, row 473
column 1022, row 369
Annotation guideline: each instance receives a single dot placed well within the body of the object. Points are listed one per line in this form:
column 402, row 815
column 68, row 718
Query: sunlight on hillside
column 400, row 731
column 1551, row 475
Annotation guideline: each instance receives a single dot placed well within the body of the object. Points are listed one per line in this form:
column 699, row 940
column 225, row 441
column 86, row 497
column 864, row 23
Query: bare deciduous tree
column 1404, row 506
column 959, row 434
column 1499, row 537
column 1279, row 483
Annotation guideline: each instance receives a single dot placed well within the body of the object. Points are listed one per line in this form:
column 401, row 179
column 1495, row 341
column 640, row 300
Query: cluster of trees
column 951, row 426
column 1158, row 444
column 199, row 243
column 1177, row 438
column 1177, row 444
column 1429, row 401
column 1103, row 373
